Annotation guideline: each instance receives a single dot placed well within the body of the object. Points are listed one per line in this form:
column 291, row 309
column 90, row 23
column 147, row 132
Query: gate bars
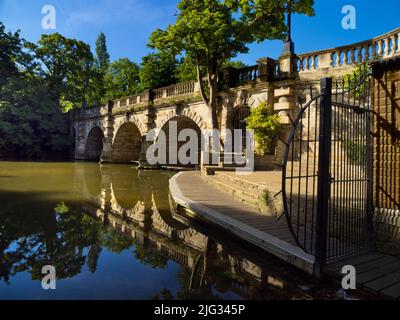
column 327, row 170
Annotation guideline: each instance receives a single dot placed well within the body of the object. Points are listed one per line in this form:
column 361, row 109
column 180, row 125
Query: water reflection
column 111, row 232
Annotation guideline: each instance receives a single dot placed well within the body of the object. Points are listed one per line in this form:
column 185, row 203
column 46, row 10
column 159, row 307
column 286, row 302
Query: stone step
column 252, row 194
column 253, row 199
column 241, row 182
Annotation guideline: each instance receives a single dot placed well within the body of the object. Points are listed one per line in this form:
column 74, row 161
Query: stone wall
column 387, row 156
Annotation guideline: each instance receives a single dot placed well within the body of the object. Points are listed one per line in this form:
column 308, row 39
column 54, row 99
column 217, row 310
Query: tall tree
column 122, row 79
column 103, row 58
column 102, row 64
column 215, row 31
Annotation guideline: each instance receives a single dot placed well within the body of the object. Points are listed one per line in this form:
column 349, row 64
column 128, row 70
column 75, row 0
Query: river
column 111, row 232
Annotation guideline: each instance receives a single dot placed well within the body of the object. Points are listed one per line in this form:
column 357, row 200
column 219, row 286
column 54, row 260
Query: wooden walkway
column 376, row 272
column 217, row 207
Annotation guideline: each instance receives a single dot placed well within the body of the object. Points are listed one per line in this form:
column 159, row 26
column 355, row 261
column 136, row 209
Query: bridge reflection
column 136, row 204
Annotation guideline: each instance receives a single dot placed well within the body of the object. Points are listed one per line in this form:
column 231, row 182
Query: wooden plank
column 392, row 292
column 354, row 261
column 375, row 264
column 384, row 282
column 380, row 272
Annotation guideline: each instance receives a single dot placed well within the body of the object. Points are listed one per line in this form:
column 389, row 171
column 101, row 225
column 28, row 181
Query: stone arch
column 182, row 122
column 127, row 144
column 187, row 113
column 94, row 144
column 125, row 187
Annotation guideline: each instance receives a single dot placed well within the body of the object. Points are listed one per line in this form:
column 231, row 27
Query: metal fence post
column 324, row 178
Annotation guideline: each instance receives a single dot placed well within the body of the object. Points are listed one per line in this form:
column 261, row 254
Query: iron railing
column 327, row 170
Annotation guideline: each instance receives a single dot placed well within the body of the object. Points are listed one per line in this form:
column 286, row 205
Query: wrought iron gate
column 327, row 170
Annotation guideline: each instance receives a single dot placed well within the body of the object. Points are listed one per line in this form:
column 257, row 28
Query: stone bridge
column 115, row 133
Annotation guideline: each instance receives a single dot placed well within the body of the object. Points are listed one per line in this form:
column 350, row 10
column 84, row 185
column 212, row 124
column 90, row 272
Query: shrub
column 266, row 125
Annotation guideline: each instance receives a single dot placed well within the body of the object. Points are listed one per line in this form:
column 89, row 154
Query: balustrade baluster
column 331, row 61
column 359, row 54
column 338, row 58
column 346, row 57
column 308, row 63
column 353, row 56
column 366, row 53
column 387, row 47
column 394, row 45
column 380, row 48
column 373, row 51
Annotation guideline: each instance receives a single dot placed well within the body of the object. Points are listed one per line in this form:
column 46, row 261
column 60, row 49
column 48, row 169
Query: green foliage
column 158, row 70
column 68, row 67
column 352, row 81
column 31, row 122
column 185, row 70
column 10, row 51
column 266, row 198
column 266, row 125
column 61, row 208
column 234, row 64
column 356, row 152
column 102, row 64
column 102, row 55
column 121, row 79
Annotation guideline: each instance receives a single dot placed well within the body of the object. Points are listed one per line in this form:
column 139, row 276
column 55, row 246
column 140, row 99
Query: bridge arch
column 94, row 144
column 127, row 144
column 185, row 113
column 182, row 122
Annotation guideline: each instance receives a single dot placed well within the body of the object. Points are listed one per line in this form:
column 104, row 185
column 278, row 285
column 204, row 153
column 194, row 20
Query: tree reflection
column 71, row 240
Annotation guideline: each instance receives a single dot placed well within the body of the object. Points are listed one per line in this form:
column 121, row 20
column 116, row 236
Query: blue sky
column 128, row 23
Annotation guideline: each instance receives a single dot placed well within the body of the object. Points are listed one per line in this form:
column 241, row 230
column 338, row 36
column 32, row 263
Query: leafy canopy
column 122, row 79
column 158, row 70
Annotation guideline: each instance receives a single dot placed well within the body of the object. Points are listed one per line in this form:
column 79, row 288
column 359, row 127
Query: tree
column 68, row 66
column 212, row 32
column 103, row 58
column 31, row 122
column 102, row 64
column 122, row 79
column 158, row 70
column 10, row 46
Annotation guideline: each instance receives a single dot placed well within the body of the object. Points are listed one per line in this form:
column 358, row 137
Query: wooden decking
column 190, row 191
column 376, row 272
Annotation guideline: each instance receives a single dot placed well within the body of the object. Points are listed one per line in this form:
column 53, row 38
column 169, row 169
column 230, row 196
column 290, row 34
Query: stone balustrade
column 247, row 74
column 176, row 90
column 345, row 57
column 310, row 66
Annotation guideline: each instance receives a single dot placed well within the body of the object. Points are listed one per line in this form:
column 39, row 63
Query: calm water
column 111, row 233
